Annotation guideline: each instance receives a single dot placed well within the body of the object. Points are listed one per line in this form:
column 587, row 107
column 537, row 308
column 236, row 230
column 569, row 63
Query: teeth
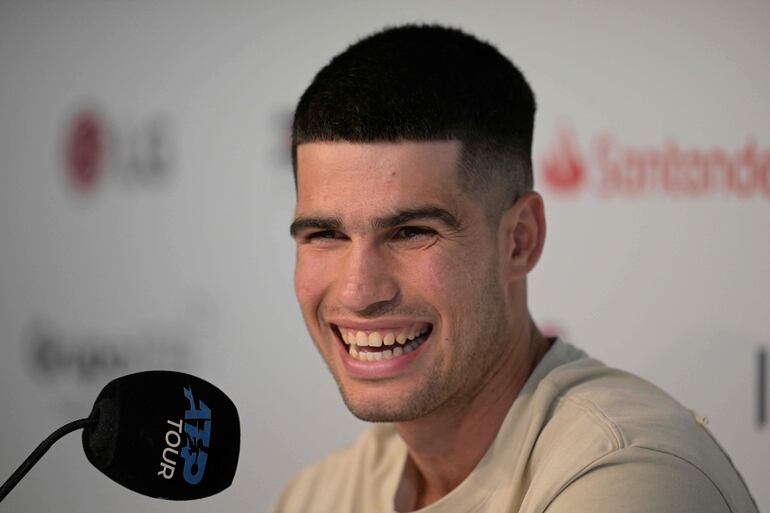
column 403, row 342
column 386, row 354
column 385, row 338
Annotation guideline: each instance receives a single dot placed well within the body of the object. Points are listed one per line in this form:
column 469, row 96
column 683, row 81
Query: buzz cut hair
column 428, row 83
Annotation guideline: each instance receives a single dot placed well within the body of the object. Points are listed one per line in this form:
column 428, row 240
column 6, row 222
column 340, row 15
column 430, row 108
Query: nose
column 368, row 286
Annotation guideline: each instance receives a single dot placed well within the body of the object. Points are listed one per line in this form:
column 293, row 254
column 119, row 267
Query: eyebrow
column 321, row 223
column 380, row 223
column 405, row 216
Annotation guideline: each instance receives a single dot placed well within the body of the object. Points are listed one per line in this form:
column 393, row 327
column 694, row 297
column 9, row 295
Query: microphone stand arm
column 40, row 451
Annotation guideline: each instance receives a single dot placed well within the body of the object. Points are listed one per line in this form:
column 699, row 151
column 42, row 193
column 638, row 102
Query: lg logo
column 85, row 150
column 98, row 150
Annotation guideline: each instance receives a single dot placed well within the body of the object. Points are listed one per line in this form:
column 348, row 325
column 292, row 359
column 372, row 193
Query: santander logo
column 612, row 168
column 563, row 167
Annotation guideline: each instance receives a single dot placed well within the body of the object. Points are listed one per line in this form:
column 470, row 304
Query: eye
column 413, row 233
column 322, row 236
column 326, row 234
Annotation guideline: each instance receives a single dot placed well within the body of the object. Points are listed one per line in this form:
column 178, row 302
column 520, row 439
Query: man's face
column 397, row 276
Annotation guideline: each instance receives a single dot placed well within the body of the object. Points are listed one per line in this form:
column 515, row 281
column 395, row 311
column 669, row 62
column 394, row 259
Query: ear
column 521, row 235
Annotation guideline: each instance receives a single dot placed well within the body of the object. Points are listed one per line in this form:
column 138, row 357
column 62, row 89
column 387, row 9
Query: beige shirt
column 580, row 438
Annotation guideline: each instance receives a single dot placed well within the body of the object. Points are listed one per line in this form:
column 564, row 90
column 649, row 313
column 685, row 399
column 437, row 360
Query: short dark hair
column 425, row 83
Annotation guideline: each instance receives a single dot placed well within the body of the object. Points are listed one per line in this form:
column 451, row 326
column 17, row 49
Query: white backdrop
column 145, row 197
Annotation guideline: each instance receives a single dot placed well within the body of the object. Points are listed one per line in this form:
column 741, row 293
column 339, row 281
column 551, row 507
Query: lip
column 376, row 326
column 377, row 369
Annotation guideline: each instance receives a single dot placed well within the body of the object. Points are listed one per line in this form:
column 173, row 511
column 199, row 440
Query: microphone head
column 164, row 434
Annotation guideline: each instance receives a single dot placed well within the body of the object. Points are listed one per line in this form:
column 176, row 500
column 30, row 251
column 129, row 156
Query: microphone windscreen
column 164, row 434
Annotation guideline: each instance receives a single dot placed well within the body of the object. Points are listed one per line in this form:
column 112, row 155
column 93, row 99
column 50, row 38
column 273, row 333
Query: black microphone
column 163, row 434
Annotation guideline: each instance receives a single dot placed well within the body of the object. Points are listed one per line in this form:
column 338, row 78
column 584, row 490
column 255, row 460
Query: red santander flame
column 563, row 167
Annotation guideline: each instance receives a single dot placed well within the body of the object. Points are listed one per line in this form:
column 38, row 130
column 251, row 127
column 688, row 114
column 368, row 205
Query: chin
column 374, row 413
column 386, row 405
column 371, row 407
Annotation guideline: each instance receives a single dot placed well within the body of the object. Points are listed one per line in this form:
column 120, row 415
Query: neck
column 446, row 446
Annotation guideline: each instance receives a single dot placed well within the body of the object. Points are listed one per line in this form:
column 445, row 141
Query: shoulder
column 625, row 408
column 641, row 480
column 338, row 481
column 608, row 431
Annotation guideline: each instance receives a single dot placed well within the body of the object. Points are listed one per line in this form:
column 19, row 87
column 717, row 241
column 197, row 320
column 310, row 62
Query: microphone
column 163, row 434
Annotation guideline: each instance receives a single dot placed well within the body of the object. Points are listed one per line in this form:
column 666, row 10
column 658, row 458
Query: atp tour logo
column 197, row 432
column 612, row 168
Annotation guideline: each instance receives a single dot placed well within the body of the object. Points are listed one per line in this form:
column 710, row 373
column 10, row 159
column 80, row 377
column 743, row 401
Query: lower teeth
column 387, row 354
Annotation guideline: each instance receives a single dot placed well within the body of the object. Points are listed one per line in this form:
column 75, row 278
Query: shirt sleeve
column 640, row 480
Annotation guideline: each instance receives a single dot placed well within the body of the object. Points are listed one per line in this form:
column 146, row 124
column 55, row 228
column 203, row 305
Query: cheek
column 310, row 280
column 304, row 285
column 443, row 279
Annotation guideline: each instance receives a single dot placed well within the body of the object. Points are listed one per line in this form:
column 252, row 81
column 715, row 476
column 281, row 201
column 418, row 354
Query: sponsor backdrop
column 146, row 193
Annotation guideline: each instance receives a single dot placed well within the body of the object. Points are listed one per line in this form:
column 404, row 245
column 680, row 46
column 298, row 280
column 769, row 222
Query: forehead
column 350, row 175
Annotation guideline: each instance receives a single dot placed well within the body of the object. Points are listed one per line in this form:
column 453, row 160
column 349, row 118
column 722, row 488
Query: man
column 416, row 226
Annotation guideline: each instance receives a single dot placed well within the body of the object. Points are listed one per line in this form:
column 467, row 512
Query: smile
column 384, row 344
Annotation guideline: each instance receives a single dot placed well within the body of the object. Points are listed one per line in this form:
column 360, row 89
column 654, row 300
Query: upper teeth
column 383, row 337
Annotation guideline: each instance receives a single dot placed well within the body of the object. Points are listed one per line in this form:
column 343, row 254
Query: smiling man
column 416, row 227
